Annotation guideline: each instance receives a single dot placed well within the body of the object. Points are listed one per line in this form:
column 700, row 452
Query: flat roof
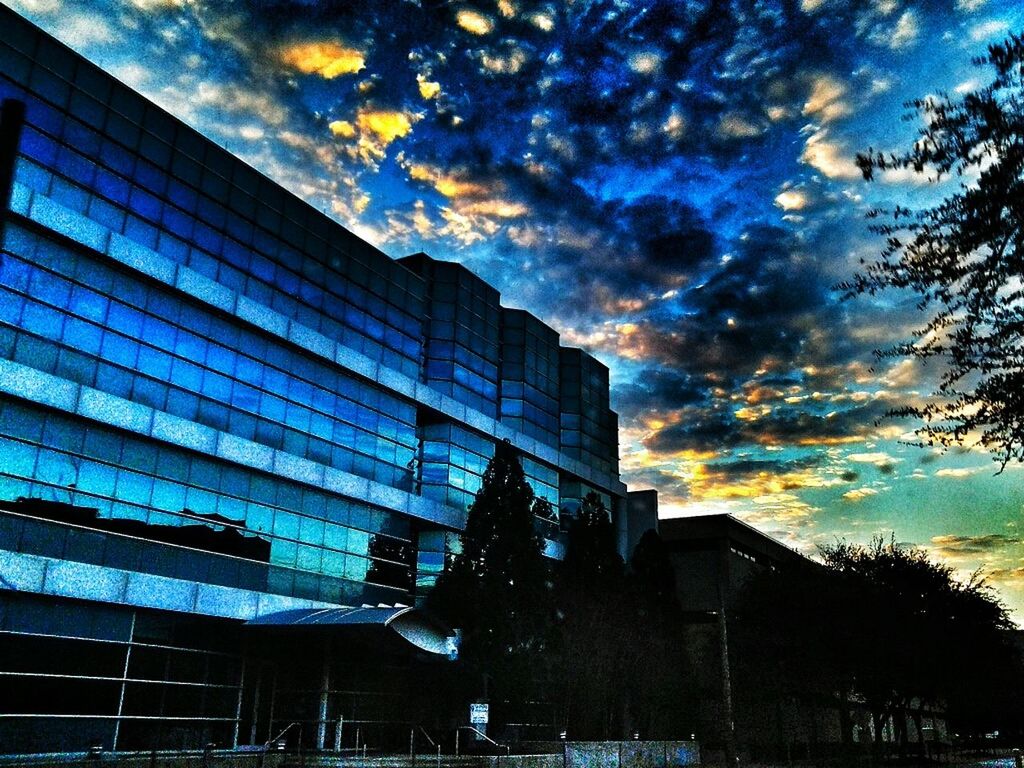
column 706, row 528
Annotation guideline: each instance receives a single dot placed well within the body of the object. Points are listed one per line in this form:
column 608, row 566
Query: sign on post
column 478, row 712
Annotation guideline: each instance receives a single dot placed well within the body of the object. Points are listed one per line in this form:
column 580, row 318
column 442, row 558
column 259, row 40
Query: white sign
column 478, row 714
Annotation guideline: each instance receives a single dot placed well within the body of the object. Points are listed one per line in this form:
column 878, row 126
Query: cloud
column 735, row 125
column 951, row 546
column 988, row 29
column 828, row 156
column 906, row 31
column 645, row 62
column 475, row 22
column 825, row 102
column 328, row 59
column 878, row 458
column 656, row 390
column 718, row 429
column 791, row 200
column 428, row 89
column 959, row 472
column 366, row 136
column 1006, row 577
column 859, row 494
column 508, row 59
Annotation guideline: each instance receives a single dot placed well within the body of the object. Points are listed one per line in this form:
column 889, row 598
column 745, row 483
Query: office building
column 227, row 424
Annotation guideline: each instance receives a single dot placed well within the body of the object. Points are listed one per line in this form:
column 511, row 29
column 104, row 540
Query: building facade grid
column 215, row 404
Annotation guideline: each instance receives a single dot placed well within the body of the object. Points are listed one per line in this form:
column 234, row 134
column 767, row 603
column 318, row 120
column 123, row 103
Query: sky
column 671, row 185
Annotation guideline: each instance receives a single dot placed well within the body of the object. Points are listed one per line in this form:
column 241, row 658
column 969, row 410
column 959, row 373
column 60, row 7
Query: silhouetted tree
column 925, row 635
column 793, row 641
column 497, row 589
column 591, row 555
column 880, row 623
column 593, row 627
column 620, row 662
column 661, row 682
column 964, row 258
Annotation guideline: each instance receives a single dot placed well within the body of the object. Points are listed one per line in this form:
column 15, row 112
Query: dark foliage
column 880, row 624
column 592, row 627
column 964, row 258
column 935, row 639
column 619, row 665
column 497, row 590
column 663, row 697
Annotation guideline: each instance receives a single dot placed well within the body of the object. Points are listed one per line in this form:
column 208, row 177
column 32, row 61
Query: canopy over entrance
column 410, row 624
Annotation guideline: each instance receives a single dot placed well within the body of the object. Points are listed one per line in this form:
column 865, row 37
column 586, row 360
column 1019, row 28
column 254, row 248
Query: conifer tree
column 594, row 627
column 496, row 590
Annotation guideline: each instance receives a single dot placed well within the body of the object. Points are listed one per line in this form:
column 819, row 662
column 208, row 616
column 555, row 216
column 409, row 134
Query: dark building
column 226, row 424
column 713, row 556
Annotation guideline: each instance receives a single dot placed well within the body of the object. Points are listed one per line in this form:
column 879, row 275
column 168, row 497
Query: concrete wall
column 631, row 754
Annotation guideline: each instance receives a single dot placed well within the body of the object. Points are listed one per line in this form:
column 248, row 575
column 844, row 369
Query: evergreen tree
column 591, row 555
column 664, row 701
column 593, row 627
column 496, row 590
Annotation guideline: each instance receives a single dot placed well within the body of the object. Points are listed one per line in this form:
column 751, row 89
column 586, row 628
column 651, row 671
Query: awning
column 411, row 624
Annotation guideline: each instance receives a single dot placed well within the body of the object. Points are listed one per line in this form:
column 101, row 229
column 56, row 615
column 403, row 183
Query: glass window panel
column 18, row 458
column 88, row 304
column 308, row 558
column 169, row 496
column 259, row 518
column 356, row 567
column 283, row 553
column 333, row 563
column 182, row 403
column 201, row 501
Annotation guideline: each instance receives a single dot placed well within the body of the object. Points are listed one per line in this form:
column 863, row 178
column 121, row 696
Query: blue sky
column 669, row 184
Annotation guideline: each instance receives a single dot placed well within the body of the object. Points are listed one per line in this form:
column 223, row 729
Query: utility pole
column 723, row 648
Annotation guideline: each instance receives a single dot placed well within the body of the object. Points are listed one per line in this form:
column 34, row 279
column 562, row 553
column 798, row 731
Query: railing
column 279, row 745
column 412, row 744
column 480, row 733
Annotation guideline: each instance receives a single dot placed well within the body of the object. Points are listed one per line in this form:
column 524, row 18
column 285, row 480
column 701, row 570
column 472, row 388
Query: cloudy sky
column 669, row 184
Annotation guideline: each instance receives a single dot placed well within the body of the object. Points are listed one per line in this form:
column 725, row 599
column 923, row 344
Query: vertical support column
column 273, row 698
column 325, row 687
column 256, row 704
column 238, row 706
column 124, row 683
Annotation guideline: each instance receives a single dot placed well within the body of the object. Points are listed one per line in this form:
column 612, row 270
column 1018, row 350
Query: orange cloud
column 474, row 22
column 327, row 59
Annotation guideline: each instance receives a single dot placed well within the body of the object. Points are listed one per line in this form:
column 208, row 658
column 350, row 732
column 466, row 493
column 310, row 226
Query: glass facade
column 589, row 428
column 462, row 331
column 105, row 675
column 529, row 376
column 217, row 404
